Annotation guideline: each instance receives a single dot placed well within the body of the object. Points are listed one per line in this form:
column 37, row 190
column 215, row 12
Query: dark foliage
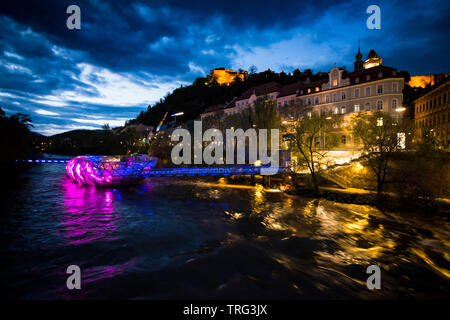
column 194, row 99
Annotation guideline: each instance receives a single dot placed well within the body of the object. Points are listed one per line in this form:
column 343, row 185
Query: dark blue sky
column 130, row 54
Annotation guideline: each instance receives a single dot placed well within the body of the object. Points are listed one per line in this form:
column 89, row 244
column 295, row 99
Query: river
column 173, row 238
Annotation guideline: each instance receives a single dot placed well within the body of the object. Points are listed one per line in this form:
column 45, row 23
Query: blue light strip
column 204, row 171
column 45, row 160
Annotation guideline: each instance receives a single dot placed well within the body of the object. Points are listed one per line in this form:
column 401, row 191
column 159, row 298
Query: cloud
column 46, row 112
column 130, row 54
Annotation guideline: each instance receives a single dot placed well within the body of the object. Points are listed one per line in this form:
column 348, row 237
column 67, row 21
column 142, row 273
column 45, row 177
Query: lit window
column 309, row 90
column 379, row 122
column 317, row 89
column 357, row 108
column 401, row 140
column 357, row 93
column 336, row 110
column 335, row 82
column 343, row 139
column 309, row 114
column 342, row 109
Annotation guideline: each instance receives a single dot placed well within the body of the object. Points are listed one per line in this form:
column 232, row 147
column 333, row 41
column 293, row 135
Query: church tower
column 358, row 63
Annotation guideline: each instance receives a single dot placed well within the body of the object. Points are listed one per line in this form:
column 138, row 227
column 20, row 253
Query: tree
column 313, row 136
column 265, row 114
column 378, row 134
column 16, row 139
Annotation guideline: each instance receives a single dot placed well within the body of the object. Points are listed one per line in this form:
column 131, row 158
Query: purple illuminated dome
column 109, row 170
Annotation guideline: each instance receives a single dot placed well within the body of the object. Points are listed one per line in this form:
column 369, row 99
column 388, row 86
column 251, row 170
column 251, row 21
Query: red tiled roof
column 261, row 90
column 388, row 72
column 291, row 89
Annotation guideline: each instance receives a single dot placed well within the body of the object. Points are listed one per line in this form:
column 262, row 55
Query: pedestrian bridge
column 125, row 170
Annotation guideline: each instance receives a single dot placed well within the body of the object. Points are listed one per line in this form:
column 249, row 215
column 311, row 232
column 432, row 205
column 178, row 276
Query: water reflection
column 88, row 213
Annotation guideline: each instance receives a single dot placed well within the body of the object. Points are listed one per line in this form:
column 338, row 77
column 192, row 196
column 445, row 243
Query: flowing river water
column 172, row 238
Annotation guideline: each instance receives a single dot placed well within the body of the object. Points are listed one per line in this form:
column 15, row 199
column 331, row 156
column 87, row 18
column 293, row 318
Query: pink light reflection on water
column 105, row 272
column 89, row 213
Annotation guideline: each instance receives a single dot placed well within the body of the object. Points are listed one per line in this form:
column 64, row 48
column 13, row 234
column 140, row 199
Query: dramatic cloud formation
column 128, row 55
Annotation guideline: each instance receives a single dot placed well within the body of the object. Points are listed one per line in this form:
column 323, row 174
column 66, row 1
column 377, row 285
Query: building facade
column 370, row 87
column 432, row 112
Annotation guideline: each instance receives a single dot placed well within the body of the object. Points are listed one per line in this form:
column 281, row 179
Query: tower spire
column 358, row 63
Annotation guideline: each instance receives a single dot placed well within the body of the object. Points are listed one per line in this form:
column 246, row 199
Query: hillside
column 194, row 99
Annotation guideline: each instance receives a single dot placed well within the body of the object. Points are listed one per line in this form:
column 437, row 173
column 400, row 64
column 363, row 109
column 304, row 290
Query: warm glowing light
column 257, row 163
column 400, row 109
column 358, row 167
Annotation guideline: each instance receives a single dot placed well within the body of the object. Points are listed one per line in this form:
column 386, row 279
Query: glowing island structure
column 109, row 170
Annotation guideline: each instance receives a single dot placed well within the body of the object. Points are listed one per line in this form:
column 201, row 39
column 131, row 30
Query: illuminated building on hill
column 226, row 76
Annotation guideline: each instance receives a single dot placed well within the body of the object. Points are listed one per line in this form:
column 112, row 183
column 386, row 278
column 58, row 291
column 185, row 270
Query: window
column 394, row 103
column 343, row 110
column 357, row 108
column 316, row 100
column 395, row 87
column 367, row 106
column 309, row 101
column 335, row 83
column 309, row 90
column 335, row 97
column 401, row 138
column 343, row 139
column 327, row 98
column 309, row 114
column 317, row 89
column 279, row 104
column 379, row 122
column 368, row 92
column 368, row 77
column 380, row 105
column 380, row 74
column 380, row 89
column 285, row 102
column 336, row 110
column 357, row 80
column 357, row 93
column 343, row 95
